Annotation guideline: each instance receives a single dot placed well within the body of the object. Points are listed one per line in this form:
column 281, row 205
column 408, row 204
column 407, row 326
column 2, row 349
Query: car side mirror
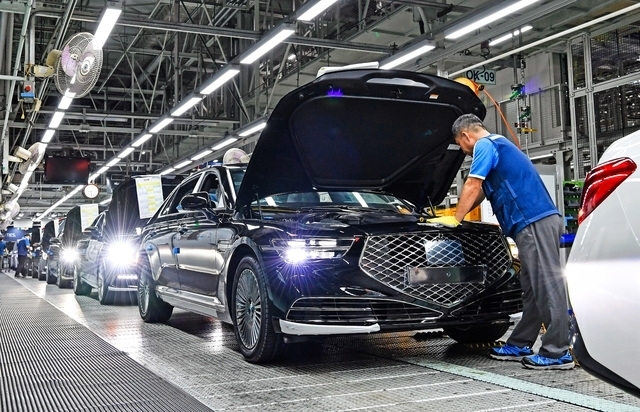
column 196, row 201
column 91, row 231
column 55, row 241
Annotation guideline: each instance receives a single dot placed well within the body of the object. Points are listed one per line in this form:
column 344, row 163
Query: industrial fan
column 29, row 158
column 79, row 65
column 235, row 156
column 75, row 68
column 8, row 211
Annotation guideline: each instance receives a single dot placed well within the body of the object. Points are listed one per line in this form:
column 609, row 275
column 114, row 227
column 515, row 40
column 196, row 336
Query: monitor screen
column 61, row 170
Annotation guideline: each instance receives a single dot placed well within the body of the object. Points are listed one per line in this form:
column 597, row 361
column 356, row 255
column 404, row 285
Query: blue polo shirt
column 23, row 246
column 511, row 183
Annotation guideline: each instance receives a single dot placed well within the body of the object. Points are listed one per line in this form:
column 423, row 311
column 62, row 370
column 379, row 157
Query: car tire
column 79, row 287
column 480, row 333
column 152, row 309
column 251, row 313
column 52, row 273
column 62, row 283
column 105, row 297
column 42, row 270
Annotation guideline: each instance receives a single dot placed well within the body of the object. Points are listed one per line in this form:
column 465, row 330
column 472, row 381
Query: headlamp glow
column 122, row 254
column 69, row 255
column 301, row 250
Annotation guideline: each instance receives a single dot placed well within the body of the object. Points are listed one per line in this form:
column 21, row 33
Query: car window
column 211, row 185
column 171, row 205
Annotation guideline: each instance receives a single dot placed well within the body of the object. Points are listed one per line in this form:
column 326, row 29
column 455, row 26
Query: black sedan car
column 108, row 255
column 326, row 230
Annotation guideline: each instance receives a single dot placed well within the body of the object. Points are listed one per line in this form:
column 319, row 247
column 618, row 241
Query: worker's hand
column 448, row 221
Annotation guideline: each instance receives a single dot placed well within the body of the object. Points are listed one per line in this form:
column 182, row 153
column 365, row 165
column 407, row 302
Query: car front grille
column 386, row 258
column 358, row 311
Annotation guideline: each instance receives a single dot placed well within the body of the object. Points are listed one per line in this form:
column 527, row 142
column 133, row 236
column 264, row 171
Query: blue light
column 335, row 93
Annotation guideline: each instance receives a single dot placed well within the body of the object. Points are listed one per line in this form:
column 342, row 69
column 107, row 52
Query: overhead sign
column 482, row 76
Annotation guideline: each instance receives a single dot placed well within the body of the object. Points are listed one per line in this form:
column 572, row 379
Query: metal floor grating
column 386, row 372
column 49, row 362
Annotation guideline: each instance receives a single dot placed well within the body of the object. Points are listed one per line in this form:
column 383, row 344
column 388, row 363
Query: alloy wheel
column 248, row 308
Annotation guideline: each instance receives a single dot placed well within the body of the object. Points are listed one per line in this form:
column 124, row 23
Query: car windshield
column 364, row 200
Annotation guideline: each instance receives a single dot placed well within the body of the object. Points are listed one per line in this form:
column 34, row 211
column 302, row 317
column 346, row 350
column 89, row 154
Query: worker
column 23, row 246
column 526, row 213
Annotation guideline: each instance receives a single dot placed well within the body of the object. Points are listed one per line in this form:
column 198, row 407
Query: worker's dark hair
column 466, row 122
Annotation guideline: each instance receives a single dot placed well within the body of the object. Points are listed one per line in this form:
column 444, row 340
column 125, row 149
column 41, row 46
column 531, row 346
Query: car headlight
column 69, row 255
column 122, row 253
column 301, row 250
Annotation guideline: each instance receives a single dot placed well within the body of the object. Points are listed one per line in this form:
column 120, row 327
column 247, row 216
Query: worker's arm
column 472, row 195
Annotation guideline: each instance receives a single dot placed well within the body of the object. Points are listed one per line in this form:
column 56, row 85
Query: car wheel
column 151, row 307
column 105, row 297
column 79, row 287
column 480, row 333
column 52, row 273
column 252, row 311
column 42, row 270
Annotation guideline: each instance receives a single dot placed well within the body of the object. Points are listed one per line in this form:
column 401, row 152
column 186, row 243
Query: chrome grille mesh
column 386, row 257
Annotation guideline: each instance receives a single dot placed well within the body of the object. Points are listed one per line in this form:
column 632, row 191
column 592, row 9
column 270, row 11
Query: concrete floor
column 390, row 372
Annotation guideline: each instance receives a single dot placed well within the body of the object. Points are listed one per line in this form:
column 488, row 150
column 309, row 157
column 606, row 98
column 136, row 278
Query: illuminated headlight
column 122, row 254
column 126, row 277
column 69, row 255
column 301, row 250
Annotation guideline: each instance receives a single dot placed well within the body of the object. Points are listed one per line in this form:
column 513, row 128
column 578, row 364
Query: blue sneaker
column 510, row 352
column 542, row 362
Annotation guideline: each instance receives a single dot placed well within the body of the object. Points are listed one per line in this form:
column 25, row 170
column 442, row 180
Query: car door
column 90, row 259
column 199, row 261
column 158, row 237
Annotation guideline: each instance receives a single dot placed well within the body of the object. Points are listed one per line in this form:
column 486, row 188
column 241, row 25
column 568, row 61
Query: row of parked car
column 325, row 231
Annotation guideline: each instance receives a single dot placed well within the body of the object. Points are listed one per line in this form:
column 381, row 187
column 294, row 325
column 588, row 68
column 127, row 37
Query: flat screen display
column 61, row 170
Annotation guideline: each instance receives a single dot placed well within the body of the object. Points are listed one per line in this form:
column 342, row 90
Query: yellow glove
column 448, row 221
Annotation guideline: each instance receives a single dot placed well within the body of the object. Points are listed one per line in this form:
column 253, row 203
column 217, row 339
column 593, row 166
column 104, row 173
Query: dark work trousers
column 22, row 267
column 544, row 291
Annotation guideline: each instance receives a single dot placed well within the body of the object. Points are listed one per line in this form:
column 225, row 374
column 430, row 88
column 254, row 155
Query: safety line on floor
column 562, row 395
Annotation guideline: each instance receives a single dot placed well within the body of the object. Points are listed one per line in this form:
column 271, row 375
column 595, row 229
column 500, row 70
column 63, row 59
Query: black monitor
column 66, row 170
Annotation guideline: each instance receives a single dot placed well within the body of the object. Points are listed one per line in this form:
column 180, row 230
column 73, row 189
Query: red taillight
column 601, row 182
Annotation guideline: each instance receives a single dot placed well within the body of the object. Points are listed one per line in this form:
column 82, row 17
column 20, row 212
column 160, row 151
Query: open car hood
column 362, row 130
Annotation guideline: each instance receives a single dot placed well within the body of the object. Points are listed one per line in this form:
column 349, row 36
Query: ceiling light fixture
column 220, row 78
column 66, row 100
column 169, row 170
column 48, row 135
column 56, row 119
column 142, row 139
column 202, row 154
column 484, row 18
column 186, row 105
column 126, row 152
column 183, row 164
column 107, row 22
column 509, row 35
column 407, row 54
column 161, row 125
column 310, row 10
column 226, row 142
column 252, row 128
column 113, row 161
column 105, row 201
column 267, row 43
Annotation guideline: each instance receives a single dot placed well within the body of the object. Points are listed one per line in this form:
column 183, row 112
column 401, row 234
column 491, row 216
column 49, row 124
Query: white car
column 603, row 269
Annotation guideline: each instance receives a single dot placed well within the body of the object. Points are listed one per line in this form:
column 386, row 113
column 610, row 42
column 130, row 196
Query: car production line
column 66, row 352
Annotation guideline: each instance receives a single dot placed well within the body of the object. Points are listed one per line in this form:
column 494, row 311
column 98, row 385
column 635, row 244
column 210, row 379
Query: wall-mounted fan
column 29, row 158
column 78, row 68
column 75, row 68
column 8, row 211
column 235, row 156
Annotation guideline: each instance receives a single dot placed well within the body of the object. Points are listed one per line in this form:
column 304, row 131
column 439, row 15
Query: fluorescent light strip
column 101, row 170
column 218, row 82
column 65, row 102
column 267, row 45
column 169, row 170
column 183, row 164
column 510, row 35
column 226, row 142
column 56, row 119
column 48, row 135
column 403, row 58
column 113, row 161
column 104, row 202
column 186, row 106
column 202, row 154
column 107, row 23
column 468, row 28
column 253, row 129
column 163, row 123
column 126, row 152
column 142, row 139
column 318, row 8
